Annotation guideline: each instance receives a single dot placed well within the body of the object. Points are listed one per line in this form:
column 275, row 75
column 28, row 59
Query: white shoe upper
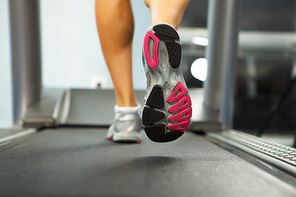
column 126, row 125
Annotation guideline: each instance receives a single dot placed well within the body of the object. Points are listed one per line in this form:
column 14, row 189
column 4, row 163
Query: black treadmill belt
column 81, row 162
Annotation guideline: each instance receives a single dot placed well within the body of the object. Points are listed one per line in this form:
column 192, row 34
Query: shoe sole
column 167, row 111
column 128, row 137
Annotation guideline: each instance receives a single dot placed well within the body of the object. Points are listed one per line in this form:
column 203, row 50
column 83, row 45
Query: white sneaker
column 126, row 126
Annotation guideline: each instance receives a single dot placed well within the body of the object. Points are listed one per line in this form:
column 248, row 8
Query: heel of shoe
column 170, row 37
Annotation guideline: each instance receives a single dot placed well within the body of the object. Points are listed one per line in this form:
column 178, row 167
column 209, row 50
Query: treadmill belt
column 81, row 162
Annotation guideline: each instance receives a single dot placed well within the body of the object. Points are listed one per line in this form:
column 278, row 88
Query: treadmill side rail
column 277, row 155
column 73, row 107
column 46, row 112
column 91, row 107
column 203, row 118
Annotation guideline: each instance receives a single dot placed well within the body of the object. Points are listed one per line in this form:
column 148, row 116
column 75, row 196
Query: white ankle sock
column 119, row 110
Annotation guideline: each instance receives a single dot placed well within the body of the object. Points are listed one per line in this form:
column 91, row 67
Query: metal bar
column 268, row 158
column 26, row 57
column 221, row 53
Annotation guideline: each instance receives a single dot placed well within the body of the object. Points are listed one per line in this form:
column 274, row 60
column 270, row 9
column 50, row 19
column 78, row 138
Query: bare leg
column 168, row 11
column 115, row 25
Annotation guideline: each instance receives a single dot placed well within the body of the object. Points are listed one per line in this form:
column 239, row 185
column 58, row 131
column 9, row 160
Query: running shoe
column 167, row 104
column 126, row 127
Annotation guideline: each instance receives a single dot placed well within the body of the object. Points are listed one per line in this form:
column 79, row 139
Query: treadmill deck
column 81, row 162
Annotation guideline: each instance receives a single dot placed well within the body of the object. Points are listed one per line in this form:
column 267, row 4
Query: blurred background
column 266, row 65
column 266, row 62
column 71, row 52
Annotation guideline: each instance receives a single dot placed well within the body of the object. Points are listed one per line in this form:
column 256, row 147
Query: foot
column 167, row 111
column 126, row 126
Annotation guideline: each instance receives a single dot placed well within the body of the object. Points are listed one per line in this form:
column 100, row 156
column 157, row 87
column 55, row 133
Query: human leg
column 167, row 110
column 167, row 11
column 115, row 25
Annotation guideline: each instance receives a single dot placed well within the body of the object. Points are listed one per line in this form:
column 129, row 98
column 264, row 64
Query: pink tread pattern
column 173, row 97
column 182, row 104
column 153, row 63
column 181, row 126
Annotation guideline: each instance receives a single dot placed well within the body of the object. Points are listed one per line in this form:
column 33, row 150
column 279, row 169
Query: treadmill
column 58, row 145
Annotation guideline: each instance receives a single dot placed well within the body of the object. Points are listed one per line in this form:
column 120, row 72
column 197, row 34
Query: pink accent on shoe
column 181, row 126
column 182, row 104
column 178, row 106
column 183, row 115
column 153, row 63
column 174, row 97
